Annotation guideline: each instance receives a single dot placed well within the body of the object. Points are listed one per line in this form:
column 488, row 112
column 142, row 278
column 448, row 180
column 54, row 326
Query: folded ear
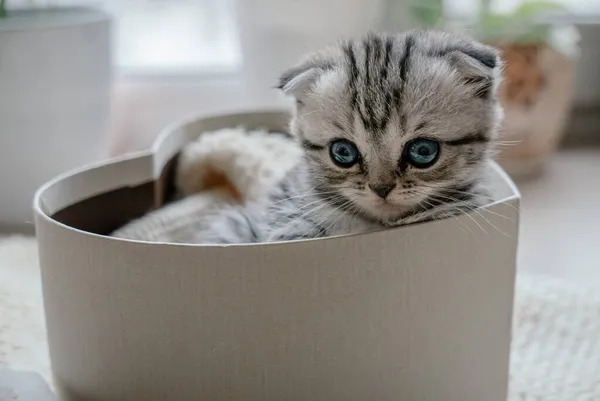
column 484, row 55
column 480, row 65
column 300, row 79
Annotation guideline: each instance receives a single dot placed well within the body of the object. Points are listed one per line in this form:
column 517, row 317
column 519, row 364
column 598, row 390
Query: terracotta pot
column 536, row 96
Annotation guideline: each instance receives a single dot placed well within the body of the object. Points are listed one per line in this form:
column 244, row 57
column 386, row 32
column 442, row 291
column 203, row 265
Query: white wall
column 269, row 43
column 587, row 83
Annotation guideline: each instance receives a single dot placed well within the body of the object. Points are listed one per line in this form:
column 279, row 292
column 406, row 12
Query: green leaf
column 533, row 9
column 2, row 8
column 518, row 27
column 536, row 34
column 426, row 17
column 428, row 13
column 495, row 27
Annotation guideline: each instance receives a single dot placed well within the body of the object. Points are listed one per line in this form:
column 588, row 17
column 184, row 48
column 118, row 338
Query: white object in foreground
column 419, row 312
column 55, row 72
column 23, row 386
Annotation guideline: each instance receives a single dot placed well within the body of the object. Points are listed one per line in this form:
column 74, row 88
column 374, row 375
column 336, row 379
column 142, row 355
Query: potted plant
column 55, row 75
column 539, row 70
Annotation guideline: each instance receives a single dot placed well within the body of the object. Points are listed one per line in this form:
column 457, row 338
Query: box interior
column 106, row 212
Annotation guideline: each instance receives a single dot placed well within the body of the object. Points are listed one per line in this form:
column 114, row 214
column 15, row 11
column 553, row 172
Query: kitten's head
column 397, row 125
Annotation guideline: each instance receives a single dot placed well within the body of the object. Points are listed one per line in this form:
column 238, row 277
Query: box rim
column 151, row 156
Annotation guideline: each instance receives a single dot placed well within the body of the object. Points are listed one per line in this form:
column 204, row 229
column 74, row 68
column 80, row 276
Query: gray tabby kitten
column 396, row 129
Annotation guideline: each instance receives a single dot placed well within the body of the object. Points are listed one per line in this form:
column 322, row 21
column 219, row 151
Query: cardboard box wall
column 420, row 312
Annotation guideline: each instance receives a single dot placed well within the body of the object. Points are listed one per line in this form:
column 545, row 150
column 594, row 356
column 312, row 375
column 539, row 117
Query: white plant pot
column 55, row 74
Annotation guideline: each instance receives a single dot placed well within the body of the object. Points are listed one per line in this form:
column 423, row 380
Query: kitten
column 395, row 128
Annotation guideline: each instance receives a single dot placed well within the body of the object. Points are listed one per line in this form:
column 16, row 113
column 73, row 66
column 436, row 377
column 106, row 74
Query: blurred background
column 84, row 80
column 89, row 79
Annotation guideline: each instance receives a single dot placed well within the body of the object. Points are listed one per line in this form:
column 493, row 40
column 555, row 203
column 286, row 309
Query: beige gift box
column 420, row 312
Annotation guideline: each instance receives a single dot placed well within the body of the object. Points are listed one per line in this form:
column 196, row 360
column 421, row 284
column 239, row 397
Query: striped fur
column 380, row 92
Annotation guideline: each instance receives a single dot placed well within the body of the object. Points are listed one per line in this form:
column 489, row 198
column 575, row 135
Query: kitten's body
column 381, row 94
column 294, row 211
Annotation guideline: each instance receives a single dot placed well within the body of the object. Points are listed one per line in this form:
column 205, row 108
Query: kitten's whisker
column 304, row 196
column 458, row 213
column 460, row 223
column 427, row 212
column 325, row 218
column 490, row 223
column 474, row 221
column 458, row 192
column 305, row 215
column 462, row 204
column 310, row 112
column 506, row 144
column 321, row 221
column 483, row 210
column 464, row 210
column 302, row 207
column 343, row 209
column 493, row 226
column 324, row 200
column 477, row 210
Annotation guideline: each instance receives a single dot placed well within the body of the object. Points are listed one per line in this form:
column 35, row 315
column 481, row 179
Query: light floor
column 560, row 219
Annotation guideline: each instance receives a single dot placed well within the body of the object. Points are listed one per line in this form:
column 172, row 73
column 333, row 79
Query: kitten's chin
column 388, row 214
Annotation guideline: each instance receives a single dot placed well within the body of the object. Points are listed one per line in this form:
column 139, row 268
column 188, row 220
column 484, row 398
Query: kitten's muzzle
column 383, row 190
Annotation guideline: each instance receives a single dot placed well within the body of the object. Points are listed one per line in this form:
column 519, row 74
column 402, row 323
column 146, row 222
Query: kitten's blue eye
column 344, row 153
column 422, row 153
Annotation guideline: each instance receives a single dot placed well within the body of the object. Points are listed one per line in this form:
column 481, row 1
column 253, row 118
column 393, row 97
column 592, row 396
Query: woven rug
column 555, row 353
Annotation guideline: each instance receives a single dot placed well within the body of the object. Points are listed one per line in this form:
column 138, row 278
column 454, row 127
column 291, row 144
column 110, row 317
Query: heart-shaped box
column 418, row 312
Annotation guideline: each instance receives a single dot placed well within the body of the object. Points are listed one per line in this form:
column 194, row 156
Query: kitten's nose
column 383, row 190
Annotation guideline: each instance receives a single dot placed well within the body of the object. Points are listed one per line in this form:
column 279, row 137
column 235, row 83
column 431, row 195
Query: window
column 175, row 37
column 201, row 37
